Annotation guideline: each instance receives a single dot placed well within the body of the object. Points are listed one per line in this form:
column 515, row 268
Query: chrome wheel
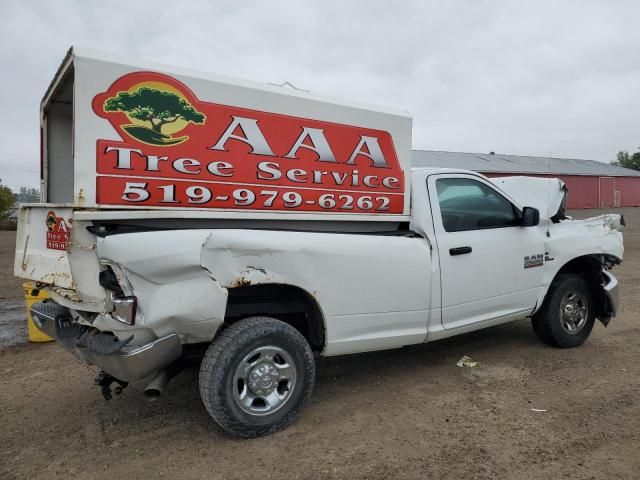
column 574, row 311
column 264, row 380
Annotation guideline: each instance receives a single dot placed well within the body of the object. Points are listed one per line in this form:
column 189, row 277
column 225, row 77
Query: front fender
column 573, row 245
column 570, row 239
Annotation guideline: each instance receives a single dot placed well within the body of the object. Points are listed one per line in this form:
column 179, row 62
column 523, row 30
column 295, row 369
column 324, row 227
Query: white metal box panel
column 156, row 138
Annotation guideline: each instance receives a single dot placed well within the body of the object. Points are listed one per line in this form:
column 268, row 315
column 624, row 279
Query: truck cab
column 479, row 231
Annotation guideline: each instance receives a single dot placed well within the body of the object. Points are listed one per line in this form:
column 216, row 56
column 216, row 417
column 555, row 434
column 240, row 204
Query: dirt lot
column 408, row 413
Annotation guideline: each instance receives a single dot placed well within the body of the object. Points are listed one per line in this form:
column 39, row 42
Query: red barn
column 591, row 184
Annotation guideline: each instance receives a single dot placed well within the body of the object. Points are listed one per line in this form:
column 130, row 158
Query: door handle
column 459, row 250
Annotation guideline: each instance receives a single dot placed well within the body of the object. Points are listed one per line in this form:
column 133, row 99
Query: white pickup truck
column 146, row 273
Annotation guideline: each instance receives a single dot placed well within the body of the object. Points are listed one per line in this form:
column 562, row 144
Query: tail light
column 124, row 309
column 125, row 305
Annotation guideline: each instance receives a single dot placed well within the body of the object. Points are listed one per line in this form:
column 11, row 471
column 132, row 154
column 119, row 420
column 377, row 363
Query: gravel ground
column 407, row 413
column 13, row 326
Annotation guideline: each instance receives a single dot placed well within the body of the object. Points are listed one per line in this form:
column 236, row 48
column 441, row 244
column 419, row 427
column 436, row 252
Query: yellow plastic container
column 35, row 335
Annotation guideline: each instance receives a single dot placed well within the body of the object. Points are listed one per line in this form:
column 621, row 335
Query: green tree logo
column 155, row 114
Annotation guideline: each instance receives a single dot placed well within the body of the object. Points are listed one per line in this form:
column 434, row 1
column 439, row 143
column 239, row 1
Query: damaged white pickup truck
column 245, row 228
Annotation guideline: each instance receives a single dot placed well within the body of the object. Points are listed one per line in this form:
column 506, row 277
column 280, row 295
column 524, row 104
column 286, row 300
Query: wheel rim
column 264, row 380
column 574, row 312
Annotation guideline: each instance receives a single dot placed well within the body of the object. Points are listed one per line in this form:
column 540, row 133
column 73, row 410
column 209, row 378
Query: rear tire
column 567, row 315
column 256, row 376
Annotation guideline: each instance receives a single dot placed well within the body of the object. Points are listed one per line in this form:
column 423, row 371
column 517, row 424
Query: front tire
column 567, row 315
column 256, row 376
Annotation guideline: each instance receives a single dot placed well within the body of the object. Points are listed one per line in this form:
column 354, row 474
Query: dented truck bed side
column 183, row 277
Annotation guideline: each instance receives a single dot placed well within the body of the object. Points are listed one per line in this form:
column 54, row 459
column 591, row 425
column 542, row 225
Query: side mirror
column 530, row 217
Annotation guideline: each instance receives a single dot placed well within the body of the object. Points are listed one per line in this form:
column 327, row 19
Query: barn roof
column 499, row 163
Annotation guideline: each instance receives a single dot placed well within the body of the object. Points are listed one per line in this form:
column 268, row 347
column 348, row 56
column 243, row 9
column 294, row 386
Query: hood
column 548, row 195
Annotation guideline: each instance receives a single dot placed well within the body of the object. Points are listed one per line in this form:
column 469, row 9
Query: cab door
column 490, row 265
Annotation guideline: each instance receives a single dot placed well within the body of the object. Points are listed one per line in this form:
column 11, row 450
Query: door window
column 467, row 204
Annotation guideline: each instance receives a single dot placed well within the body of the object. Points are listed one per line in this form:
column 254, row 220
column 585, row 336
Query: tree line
column 9, row 200
column 624, row 159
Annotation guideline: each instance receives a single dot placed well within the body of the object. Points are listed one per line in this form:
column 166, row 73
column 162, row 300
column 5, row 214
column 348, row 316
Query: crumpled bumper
column 612, row 291
column 128, row 363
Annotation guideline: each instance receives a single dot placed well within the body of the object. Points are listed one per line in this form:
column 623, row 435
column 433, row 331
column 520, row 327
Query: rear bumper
column 128, row 363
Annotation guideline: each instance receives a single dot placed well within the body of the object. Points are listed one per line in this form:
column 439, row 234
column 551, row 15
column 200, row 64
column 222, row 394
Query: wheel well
column 590, row 265
column 287, row 303
column 590, row 268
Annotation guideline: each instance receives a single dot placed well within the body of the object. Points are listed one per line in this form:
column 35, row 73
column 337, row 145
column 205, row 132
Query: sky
column 518, row 77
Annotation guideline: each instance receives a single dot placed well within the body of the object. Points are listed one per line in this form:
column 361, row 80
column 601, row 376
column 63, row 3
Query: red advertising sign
column 57, row 232
column 177, row 151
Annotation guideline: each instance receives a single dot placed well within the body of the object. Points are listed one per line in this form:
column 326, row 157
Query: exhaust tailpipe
column 156, row 387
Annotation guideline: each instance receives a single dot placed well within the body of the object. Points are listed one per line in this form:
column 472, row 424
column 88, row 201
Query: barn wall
column 594, row 192
column 629, row 191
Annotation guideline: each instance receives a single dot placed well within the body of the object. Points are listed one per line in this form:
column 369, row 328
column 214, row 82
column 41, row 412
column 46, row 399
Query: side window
column 467, row 204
